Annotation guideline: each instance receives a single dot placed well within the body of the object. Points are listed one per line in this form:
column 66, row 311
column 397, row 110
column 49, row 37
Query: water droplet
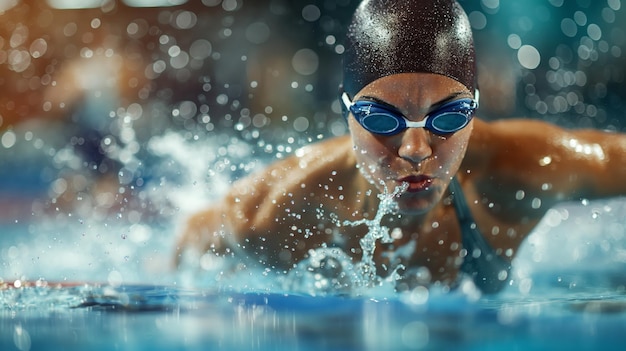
column 311, row 13
column 8, row 139
column 528, row 56
column 231, row 5
column 545, row 161
column 595, row 213
column 536, row 203
column 305, row 62
column 477, row 20
column 38, row 48
column 594, row 32
column 569, row 27
column 301, row 124
column 185, row 20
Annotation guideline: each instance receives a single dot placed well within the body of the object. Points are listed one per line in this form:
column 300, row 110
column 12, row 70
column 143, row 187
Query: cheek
column 366, row 146
column 451, row 151
column 370, row 153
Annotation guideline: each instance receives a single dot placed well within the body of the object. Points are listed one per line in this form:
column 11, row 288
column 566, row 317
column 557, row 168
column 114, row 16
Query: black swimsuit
column 489, row 271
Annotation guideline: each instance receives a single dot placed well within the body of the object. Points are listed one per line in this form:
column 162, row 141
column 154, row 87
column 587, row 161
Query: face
column 416, row 160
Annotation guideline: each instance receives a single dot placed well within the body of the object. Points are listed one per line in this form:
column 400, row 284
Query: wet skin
column 511, row 171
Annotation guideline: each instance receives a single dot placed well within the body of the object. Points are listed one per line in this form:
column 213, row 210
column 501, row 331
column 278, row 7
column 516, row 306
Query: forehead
column 414, row 88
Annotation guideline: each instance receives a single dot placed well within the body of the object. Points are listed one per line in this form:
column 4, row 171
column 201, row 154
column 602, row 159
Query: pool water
column 116, row 292
column 143, row 317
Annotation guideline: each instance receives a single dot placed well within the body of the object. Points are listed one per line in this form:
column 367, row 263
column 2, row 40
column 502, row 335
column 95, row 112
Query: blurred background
column 85, row 85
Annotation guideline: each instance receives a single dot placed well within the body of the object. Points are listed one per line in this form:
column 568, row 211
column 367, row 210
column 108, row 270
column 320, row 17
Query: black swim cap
column 400, row 36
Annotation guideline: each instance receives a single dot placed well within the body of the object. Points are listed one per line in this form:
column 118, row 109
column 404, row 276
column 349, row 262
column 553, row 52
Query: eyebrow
column 433, row 107
column 378, row 101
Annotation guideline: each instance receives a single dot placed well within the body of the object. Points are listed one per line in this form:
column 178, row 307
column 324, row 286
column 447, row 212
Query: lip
column 417, row 183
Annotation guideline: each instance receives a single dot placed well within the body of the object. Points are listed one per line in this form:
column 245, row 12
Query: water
column 96, row 185
column 170, row 318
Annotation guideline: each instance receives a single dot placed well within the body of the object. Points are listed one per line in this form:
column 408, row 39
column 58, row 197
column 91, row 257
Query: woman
column 467, row 192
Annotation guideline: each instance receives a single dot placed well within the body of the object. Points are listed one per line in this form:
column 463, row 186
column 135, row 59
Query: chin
column 417, row 203
column 413, row 206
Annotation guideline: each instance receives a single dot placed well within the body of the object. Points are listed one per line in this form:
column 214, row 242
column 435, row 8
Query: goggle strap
column 346, row 100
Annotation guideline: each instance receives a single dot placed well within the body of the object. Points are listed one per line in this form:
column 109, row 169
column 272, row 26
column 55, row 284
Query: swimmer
column 470, row 191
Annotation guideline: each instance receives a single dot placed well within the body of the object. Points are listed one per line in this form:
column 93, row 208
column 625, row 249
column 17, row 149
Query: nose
column 415, row 145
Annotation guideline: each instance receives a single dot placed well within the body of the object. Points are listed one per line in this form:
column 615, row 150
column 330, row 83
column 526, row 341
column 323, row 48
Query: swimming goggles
column 386, row 120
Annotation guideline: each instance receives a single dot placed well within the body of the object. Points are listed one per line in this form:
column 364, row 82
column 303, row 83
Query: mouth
column 416, row 183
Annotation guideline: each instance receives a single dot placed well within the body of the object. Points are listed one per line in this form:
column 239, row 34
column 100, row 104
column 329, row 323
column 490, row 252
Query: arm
column 272, row 214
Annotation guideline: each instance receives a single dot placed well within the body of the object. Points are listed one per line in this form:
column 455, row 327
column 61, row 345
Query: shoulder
column 527, row 165
column 312, row 161
column 517, row 156
column 511, row 144
column 510, row 132
column 292, row 181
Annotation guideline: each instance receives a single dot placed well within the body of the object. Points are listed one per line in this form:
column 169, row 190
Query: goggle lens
column 449, row 122
column 383, row 120
column 380, row 123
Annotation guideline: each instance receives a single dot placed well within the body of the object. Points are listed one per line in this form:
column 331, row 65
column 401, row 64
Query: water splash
column 376, row 231
column 329, row 270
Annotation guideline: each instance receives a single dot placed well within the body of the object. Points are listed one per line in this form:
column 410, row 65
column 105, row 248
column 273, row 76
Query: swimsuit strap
column 489, row 270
